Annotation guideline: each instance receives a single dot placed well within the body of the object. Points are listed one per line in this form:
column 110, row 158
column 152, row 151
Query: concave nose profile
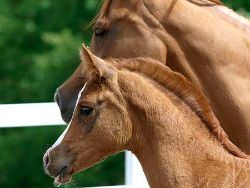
column 50, row 167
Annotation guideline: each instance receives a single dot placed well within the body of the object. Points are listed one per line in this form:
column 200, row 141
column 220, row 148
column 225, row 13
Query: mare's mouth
column 63, row 177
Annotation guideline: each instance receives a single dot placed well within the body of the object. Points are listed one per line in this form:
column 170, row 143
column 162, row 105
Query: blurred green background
column 39, row 43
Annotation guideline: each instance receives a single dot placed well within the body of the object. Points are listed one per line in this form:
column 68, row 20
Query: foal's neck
column 171, row 142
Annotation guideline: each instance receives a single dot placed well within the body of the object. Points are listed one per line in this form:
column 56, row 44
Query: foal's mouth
column 63, row 177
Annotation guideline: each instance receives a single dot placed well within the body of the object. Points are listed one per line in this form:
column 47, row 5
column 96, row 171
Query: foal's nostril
column 46, row 160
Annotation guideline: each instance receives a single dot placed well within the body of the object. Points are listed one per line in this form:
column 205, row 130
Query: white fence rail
column 41, row 114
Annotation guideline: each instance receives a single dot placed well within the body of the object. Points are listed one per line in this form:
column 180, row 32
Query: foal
column 143, row 106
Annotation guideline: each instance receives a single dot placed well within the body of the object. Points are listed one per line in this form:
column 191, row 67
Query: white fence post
column 134, row 174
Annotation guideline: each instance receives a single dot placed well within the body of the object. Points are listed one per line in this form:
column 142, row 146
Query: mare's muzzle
column 65, row 104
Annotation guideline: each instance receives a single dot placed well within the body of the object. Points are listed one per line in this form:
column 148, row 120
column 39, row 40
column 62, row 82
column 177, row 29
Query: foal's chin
column 66, row 174
column 63, row 177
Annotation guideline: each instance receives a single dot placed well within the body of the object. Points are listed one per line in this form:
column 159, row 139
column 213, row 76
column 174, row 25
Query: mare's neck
column 212, row 52
column 203, row 36
column 174, row 147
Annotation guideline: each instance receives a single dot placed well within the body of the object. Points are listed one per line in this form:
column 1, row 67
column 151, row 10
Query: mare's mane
column 184, row 90
column 105, row 4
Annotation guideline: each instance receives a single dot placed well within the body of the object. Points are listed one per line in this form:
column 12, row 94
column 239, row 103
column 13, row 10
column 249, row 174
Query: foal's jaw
column 61, row 163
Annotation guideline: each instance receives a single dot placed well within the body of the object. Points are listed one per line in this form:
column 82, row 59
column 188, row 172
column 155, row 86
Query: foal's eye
column 85, row 111
column 100, row 32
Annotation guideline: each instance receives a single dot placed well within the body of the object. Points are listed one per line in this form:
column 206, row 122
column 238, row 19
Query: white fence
column 41, row 114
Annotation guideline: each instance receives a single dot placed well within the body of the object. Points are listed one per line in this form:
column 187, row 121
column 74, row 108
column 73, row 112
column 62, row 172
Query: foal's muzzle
column 56, row 162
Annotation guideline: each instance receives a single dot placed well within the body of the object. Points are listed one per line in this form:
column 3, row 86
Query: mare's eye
column 85, row 111
column 100, row 32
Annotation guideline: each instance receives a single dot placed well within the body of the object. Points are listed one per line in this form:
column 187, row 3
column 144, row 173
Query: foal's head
column 100, row 124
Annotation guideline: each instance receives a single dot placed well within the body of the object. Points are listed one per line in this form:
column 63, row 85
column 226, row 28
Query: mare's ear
column 94, row 66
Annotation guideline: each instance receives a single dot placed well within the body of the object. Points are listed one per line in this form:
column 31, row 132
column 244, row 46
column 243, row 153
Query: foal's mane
column 184, row 90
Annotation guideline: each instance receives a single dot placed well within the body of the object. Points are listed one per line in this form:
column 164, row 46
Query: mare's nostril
column 56, row 98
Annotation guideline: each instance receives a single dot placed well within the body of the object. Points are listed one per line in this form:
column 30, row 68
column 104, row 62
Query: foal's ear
column 94, row 66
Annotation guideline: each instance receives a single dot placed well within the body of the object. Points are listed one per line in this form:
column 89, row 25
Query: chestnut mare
column 206, row 42
column 140, row 105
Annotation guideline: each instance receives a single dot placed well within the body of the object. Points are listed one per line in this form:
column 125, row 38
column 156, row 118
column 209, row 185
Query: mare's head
column 100, row 124
column 126, row 29
column 122, row 29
